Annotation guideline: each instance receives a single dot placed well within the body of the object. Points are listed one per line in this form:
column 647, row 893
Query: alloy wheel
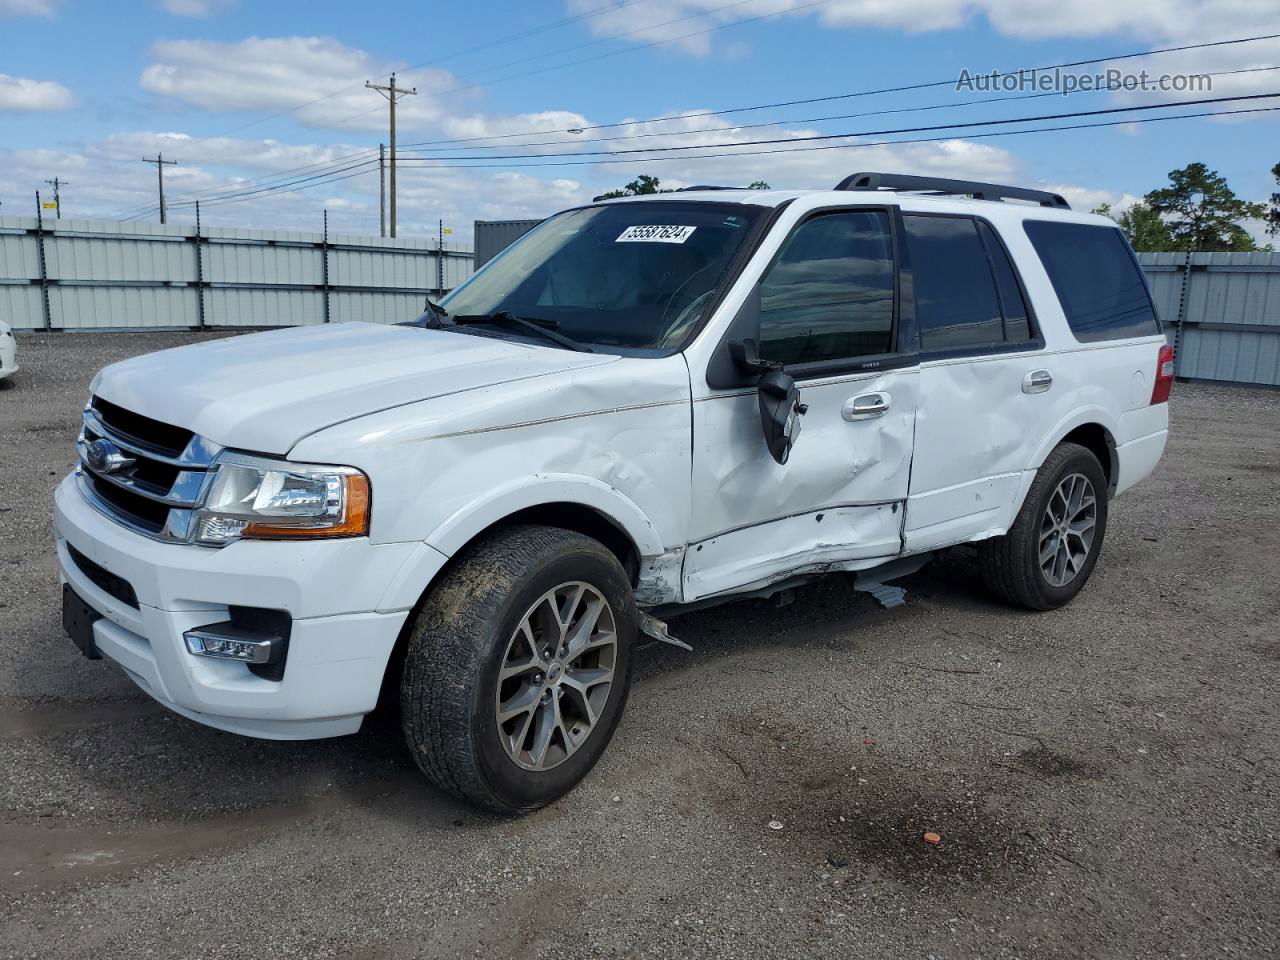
column 556, row 676
column 1067, row 529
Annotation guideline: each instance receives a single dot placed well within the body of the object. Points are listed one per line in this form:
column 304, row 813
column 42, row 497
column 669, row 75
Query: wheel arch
column 1090, row 427
column 579, row 504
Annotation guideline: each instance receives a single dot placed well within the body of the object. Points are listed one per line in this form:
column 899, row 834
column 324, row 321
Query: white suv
column 641, row 406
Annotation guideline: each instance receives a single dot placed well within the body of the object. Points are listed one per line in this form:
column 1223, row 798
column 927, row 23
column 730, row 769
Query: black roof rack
column 971, row 188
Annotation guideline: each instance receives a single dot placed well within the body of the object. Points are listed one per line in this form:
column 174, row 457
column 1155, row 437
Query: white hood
column 264, row 392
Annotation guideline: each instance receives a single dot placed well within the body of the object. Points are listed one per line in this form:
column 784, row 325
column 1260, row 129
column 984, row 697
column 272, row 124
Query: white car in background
column 8, row 353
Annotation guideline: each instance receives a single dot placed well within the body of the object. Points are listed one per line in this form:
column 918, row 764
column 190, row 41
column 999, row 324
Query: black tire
column 1010, row 564
column 456, row 649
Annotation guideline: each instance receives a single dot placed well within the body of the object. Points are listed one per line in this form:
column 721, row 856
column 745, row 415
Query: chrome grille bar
column 198, row 454
column 147, row 480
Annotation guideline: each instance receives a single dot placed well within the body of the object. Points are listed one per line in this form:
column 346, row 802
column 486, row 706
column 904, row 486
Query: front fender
column 537, row 490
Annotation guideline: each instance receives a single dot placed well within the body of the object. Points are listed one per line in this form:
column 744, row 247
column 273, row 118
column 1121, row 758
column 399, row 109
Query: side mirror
column 780, row 406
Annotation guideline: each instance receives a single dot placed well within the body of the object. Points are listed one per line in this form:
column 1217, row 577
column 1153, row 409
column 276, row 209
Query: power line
column 214, row 203
column 873, row 133
column 799, row 149
column 613, row 53
column 362, row 166
column 868, row 143
column 426, row 63
column 844, row 116
column 861, row 93
column 586, row 16
column 721, row 112
column 319, row 166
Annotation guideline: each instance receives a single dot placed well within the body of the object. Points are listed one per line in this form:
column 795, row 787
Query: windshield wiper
column 433, row 318
column 547, row 329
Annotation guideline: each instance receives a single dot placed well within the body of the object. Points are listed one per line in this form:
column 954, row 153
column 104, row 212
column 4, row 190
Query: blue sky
column 223, row 86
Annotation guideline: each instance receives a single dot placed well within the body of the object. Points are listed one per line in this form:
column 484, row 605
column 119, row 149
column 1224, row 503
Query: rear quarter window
column 1097, row 279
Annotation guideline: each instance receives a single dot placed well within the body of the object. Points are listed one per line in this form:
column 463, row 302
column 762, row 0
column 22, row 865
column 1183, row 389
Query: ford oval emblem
column 103, row 456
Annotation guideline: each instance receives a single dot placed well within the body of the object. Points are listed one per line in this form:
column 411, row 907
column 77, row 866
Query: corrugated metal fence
column 1222, row 312
column 100, row 274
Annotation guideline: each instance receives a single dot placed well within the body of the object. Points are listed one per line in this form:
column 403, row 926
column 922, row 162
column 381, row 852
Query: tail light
column 1164, row 376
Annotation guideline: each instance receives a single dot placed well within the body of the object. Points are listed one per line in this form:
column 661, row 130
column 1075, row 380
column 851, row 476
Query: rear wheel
column 518, row 668
column 1050, row 551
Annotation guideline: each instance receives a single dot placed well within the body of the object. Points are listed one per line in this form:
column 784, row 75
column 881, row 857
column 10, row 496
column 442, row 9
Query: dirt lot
column 1104, row 777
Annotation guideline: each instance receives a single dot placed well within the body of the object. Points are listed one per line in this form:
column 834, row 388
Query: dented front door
column 828, row 311
column 835, row 505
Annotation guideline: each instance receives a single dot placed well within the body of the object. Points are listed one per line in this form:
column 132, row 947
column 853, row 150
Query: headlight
column 255, row 497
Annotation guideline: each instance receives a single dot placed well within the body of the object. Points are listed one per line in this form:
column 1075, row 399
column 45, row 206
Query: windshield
column 629, row 275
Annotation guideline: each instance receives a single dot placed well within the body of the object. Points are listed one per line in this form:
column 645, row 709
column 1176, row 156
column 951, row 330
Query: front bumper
column 348, row 599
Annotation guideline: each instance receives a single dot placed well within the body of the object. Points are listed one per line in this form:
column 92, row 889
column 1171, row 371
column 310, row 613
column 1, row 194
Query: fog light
column 226, row 641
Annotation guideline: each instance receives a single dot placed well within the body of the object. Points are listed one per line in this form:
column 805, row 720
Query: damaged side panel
column 836, row 504
column 843, row 538
column 658, row 582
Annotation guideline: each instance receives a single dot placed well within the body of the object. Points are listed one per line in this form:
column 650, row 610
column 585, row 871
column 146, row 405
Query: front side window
column 629, row 275
column 1096, row 278
column 829, row 294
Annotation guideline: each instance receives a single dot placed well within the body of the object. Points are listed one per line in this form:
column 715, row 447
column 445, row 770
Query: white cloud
column 21, row 93
column 1090, row 198
column 1021, row 18
column 196, row 8
column 288, row 73
column 28, row 8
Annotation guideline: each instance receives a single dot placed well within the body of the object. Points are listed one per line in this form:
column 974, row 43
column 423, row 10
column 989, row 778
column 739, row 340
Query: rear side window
column 1096, row 278
column 829, row 294
column 955, row 268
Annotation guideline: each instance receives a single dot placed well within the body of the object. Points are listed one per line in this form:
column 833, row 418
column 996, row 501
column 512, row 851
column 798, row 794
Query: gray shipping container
column 494, row 236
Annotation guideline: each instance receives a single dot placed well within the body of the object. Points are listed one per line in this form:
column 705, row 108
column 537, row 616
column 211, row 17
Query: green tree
column 764, row 184
column 1273, row 215
column 1202, row 212
column 1143, row 226
column 643, row 184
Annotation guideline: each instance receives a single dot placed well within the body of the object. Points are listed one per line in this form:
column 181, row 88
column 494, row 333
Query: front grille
column 156, row 474
column 104, row 579
column 140, row 510
column 127, row 425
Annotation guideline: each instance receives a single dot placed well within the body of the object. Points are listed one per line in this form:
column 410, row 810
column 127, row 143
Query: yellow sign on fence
column 49, row 206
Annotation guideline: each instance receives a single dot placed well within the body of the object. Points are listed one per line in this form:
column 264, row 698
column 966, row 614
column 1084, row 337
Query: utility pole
column 160, row 163
column 392, row 93
column 382, row 189
column 57, row 197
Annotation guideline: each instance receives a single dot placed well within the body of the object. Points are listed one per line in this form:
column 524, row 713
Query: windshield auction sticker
column 655, row 233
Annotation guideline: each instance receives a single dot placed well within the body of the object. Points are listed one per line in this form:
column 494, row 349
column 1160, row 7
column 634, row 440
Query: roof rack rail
column 696, row 186
column 971, row 188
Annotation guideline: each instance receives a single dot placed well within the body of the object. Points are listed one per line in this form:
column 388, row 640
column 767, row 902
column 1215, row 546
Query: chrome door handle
column 1037, row 381
column 866, row 407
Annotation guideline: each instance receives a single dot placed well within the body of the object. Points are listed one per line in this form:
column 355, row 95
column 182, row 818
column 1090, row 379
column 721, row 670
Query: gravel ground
column 1104, row 777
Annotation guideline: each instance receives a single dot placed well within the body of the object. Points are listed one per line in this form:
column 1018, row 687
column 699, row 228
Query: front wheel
column 518, row 667
column 1048, row 554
